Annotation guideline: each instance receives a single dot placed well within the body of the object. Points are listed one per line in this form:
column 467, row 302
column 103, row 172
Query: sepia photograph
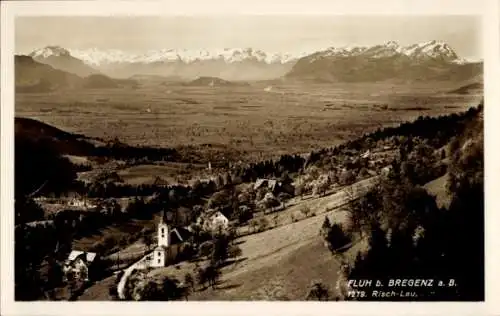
column 278, row 157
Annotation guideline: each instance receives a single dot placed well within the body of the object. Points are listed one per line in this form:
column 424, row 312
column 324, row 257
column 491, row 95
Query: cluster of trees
column 286, row 164
column 220, row 250
column 334, row 235
column 410, row 236
column 140, row 287
column 40, row 169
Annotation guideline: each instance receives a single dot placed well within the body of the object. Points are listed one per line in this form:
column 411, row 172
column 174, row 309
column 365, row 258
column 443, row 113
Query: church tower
column 163, row 233
column 161, row 251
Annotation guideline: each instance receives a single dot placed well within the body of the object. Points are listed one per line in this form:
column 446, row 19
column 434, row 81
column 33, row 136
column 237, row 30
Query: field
column 259, row 120
column 171, row 172
column 437, row 188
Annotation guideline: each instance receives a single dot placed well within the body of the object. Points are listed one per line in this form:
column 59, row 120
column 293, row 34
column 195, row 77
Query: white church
column 170, row 244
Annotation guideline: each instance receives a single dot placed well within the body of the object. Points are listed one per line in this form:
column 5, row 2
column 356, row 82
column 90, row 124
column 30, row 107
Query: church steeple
column 163, row 232
column 163, row 217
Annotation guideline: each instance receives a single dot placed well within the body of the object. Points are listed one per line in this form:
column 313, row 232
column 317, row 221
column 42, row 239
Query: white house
column 386, row 170
column 213, row 220
column 219, row 220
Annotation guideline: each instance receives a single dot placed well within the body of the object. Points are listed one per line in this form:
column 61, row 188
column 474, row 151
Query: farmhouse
column 213, row 220
column 265, row 183
column 274, row 186
column 171, row 243
column 79, row 263
column 218, row 220
column 83, row 203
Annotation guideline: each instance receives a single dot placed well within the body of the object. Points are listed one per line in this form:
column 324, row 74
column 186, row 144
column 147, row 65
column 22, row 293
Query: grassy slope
column 285, row 274
column 437, row 188
column 99, row 291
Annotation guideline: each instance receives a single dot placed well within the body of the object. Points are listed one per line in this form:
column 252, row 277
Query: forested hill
column 410, row 235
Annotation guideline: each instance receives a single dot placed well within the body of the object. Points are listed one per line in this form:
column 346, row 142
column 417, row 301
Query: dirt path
column 141, row 264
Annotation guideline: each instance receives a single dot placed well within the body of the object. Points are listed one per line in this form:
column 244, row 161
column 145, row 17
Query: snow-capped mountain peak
column 426, row 50
column 432, row 49
column 97, row 57
column 50, row 51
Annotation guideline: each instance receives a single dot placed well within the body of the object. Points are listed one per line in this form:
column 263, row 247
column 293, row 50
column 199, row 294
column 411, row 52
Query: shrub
column 244, row 214
column 336, row 237
column 189, row 280
column 347, row 177
column 206, row 248
column 306, row 210
column 318, row 291
column 263, row 223
column 210, row 275
column 321, row 185
column 253, row 224
column 270, row 200
column 234, row 251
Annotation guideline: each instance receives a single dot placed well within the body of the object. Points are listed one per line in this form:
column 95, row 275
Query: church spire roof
column 164, row 218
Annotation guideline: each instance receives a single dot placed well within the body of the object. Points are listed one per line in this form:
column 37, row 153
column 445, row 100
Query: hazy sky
column 269, row 33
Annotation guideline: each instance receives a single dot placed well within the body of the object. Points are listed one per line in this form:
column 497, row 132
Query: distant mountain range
column 431, row 60
column 35, row 77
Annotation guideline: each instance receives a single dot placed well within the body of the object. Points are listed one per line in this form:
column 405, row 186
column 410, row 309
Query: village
column 171, row 239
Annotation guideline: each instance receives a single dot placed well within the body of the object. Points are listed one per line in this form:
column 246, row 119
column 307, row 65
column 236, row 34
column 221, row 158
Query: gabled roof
column 184, row 232
column 270, row 183
column 89, row 256
column 259, row 183
column 178, row 235
column 218, row 214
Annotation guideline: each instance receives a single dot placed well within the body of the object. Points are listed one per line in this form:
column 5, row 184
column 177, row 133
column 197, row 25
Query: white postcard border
column 491, row 35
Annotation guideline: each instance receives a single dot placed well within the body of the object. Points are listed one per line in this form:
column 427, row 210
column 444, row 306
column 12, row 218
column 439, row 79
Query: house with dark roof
column 79, row 264
column 274, row 186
